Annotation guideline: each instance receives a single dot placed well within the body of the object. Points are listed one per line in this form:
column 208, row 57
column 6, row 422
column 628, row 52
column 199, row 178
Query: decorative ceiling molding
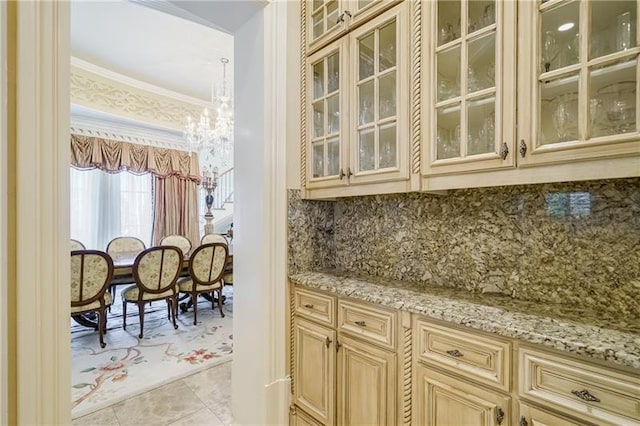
column 127, row 133
column 101, row 93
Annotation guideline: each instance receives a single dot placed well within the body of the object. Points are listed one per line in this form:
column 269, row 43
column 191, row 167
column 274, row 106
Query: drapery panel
column 176, row 201
column 176, row 177
column 89, row 152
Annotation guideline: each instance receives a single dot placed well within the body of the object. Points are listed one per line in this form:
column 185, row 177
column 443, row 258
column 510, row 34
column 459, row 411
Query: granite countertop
column 567, row 328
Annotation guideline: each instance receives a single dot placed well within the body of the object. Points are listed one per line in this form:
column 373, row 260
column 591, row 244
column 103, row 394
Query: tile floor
column 201, row 399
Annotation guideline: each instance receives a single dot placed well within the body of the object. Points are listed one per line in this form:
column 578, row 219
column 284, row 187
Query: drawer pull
column 585, row 395
column 361, row 323
column 523, row 422
column 338, row 344
column 455, row 353
column 309, row 306
column 327, row 342
column 499, row 415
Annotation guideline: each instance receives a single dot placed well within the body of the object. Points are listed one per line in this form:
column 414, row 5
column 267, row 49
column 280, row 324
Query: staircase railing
column 224, row 191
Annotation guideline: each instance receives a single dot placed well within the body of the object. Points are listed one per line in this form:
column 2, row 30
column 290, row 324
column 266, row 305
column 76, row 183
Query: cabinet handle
column 309, row 306
column 523, row 148
column 499, row 415
column 327, row 342
column 504, row 151
column 523, row 421
column 341, row 175
column 585, row 395
column 338, row 345
column 361, row 323
column 341, row 17
column 454, row 352
column 349, row 174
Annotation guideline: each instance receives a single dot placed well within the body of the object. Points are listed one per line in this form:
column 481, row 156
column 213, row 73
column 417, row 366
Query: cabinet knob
column 361, row 323
column 523, row 422
column 522, row 148
column 349, row 174
column 585, row 395
column 308, row 305
column 342, row 15
column 341, row 174
column 327, row 342
column 499, row 415
column 455, row 353
column 504, row 151
column 338, row 346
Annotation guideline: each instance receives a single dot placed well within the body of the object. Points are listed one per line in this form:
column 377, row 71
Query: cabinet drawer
column 474, row 356
column 593, row 391
column 315, row 306
column 374, row 325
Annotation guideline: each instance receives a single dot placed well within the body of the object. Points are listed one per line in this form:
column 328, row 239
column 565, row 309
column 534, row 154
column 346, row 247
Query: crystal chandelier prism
column 217, row 140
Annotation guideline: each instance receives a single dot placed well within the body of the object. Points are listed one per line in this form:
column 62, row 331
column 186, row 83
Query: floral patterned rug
column 128, row 366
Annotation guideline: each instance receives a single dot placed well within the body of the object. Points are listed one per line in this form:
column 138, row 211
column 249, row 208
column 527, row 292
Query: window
column 105, row 206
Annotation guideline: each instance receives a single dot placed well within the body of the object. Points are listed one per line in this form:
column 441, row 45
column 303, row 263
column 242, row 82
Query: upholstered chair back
column 77, row 245
column 91, row 272
column 214, row 238
column 207, row 263
column 156, row 269
column 179, row 241
column 120, row 245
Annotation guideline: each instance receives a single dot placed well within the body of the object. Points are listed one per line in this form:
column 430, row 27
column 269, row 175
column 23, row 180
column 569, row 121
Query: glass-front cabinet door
column 361, row 10
column 326, row 105
column 380, row 99
column 580, row 78
column 325, row 20
column 471, row 55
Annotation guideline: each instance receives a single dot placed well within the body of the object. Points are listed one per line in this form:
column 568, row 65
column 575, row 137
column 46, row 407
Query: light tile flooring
column 201, row 399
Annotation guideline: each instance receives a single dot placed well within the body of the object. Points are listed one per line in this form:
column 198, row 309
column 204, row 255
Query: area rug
column 128, row 366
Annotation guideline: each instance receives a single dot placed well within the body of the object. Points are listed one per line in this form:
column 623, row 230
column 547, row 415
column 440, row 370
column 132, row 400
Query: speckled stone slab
column 577, row 331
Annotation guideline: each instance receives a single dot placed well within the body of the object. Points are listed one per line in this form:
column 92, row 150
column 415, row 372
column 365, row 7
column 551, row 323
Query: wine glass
column 564, row 116
column 549, row 50
column 620, row 105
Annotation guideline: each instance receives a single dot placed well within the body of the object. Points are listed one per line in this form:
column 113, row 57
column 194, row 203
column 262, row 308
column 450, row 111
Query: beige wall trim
column 98, row 92
column 42, row 214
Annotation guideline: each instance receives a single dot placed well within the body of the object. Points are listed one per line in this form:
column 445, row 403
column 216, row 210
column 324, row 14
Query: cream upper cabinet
column 578, row 72
column 469, row 110
column 357, row 108
column 326, row 20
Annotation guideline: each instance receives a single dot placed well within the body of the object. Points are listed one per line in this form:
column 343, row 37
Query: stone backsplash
column 575, row 243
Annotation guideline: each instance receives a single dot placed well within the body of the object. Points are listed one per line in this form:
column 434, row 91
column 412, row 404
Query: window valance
column 89, row 152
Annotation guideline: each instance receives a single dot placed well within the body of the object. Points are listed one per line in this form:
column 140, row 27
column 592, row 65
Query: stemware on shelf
column 619, row 100
column 565, row 116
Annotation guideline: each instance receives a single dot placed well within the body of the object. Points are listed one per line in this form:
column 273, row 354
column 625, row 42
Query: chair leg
column 141, row 315
column 194, row 298
column 169, row 309
column 213, row 299
column 174, row 309
column 124, row 314
column 102, row 320
column 220, row 302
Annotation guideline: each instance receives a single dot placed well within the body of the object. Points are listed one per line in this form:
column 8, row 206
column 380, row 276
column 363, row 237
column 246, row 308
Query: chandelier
column 218, row 140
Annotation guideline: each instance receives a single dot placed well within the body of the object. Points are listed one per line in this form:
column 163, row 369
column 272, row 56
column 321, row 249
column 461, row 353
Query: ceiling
column 151, row 46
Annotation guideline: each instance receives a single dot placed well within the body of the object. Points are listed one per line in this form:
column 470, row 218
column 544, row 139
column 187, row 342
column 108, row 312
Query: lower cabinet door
column 530, row 416
column 300, row 418
column 314, row 370
column 445, row 401
column 366, row 384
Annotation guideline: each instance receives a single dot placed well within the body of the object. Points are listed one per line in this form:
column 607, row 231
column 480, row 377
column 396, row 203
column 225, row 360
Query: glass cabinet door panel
column 559, row 109
column 318, row 159
column 366, row 96
column 481, row 63
column 481, row 14
column 332, row 14
column 318, row 80
column 388, row 146
column 333, row 114
column 560, row 40
column 318, row 118
column 481, row 137
column 448, row 74
column 333, row 156
column 613, row 27
column 324, row 18
column 366, row 149
column 448, row 21
column 448, row 132
column 318, row 23
column 387, row 51
column 612, row 99
column 364, row 3
column 366, row 48
column 333, row 71
column 387, row 96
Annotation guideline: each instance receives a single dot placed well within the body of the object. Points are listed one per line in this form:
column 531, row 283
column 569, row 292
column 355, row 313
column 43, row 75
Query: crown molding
column 138, row 84
column 124, row 132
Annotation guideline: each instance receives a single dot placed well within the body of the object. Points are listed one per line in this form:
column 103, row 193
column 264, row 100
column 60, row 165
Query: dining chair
column 123, row 246
column 155, row 272
column 77, row 245
column 206, row 269
column 219, row 238
column 91, row 272
column 179, row 241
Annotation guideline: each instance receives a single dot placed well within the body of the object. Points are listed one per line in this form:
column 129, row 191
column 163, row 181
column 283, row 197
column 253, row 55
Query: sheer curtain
column 105, row 206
